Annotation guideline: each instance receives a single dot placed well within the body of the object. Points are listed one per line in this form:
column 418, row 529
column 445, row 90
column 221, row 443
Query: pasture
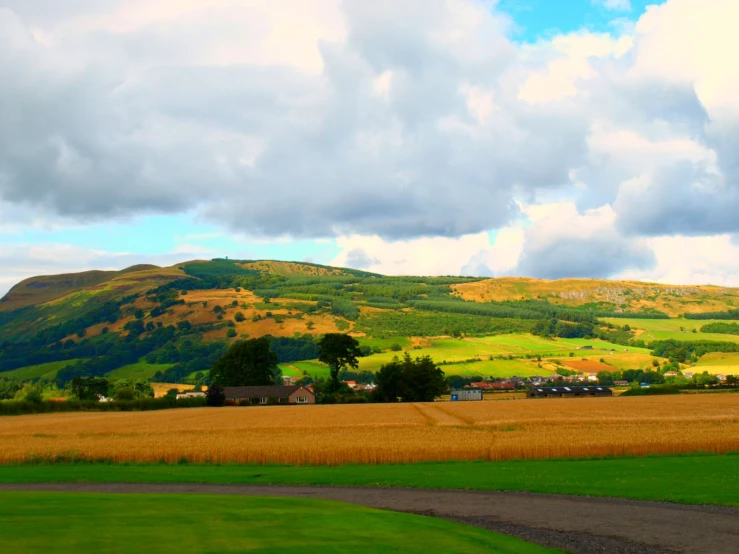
column 675, row 329
column 383, row 433
column 717, row 363
column 84, row 522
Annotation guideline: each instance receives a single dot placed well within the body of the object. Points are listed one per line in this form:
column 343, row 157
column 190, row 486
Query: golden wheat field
column 384, row 433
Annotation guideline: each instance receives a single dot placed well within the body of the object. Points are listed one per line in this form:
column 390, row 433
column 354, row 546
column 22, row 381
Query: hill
column 45, row 288
column 172, row 323
column 603, row 295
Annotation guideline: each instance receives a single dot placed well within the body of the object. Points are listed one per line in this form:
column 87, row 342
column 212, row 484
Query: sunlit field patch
column 383, row 433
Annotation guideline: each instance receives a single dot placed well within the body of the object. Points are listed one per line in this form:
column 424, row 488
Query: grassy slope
column 141, row 370
column 73, row 522
column 602, row 294
column 43, row 371
column 718, row 362
column 695, row 479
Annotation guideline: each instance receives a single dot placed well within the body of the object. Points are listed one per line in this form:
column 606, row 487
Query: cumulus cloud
column 404, row 129
column 358, row 259
column 565, row 243
column 703, row 260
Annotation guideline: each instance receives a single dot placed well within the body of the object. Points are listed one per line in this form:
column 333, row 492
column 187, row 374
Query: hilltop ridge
column 596, row 294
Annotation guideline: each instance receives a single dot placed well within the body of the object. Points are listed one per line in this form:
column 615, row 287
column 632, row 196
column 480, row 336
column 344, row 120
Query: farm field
column 496, row 368
column 729, row 359
column 84, row 522
column 383, row 433
column 718, row 362
column 515, row 345
column 161, row 389
column 666, row 329
column 657, row 478
column 40, row 371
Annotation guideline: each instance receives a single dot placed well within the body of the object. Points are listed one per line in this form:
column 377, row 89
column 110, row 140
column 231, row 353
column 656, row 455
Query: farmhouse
column 261, row 395
column 568, row 392
column 466, row 394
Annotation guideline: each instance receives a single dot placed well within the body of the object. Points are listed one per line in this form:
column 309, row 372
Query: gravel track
column 581, row 525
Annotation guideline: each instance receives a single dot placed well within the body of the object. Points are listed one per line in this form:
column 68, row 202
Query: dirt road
column 576, row 524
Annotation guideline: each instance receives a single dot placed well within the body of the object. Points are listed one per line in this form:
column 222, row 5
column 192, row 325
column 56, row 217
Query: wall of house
column 302, row 392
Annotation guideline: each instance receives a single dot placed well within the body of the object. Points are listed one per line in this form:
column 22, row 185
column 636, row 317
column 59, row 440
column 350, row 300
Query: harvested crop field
column 588, row 366
column 383, row 433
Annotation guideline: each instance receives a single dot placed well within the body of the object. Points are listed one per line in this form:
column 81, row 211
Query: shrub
column 124, row 394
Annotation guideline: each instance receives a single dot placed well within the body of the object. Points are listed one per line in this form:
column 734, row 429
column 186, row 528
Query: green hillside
column 171, row 324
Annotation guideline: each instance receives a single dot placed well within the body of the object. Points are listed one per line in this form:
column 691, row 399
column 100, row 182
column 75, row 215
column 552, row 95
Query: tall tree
column 337, row 351
column 410, row 380
column 246, row 363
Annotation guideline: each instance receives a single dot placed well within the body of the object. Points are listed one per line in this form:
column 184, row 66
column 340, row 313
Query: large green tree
column 247, row 363
column 337, row 351
column 410, row 380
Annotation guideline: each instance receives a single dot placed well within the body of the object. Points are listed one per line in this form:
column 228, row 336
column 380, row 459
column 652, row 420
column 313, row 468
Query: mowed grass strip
column 75, row 522
column 695, row 479
column 383, row 433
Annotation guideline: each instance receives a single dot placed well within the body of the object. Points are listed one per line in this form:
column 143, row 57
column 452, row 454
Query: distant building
column 261, row 395
column 568, row 392
column 466, row 394
column 621, row 383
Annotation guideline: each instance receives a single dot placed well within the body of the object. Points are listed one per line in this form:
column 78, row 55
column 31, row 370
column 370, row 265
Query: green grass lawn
column 695, row 479
column 141, row 371
column 40, row 371
column 74, row 522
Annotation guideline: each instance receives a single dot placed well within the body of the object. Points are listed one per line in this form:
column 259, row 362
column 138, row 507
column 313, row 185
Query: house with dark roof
column 569, row 391
column 270, row 394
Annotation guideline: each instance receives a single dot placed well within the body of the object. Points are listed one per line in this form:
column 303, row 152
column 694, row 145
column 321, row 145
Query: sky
column 577, row 138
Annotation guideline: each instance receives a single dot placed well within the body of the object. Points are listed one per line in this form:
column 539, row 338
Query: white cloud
column 692, row 261
column 318, row 119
